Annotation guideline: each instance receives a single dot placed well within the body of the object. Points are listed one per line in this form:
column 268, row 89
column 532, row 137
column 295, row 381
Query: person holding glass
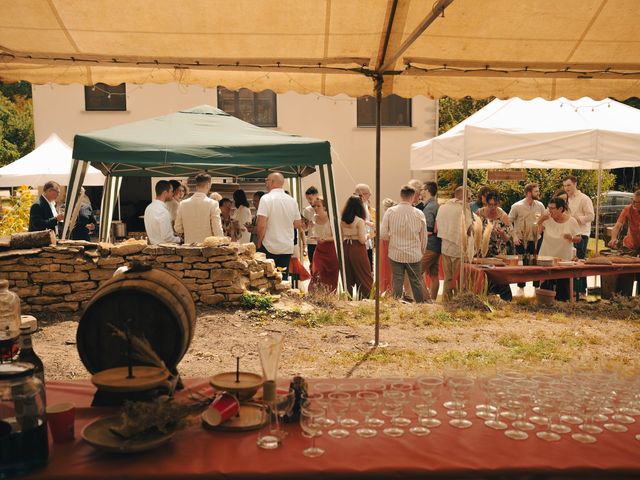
column 561, row 233
column 354, row 234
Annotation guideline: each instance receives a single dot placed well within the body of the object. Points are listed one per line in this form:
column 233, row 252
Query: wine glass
column 517, row 405
column 393, row 401
column 495, row 389
column 379, row 388
column 548, row 404
column 367, row 403
column 420, row 407
column 406, row 388
column 352, row 389
column 430, row 384
column 311, row 424
column 338, row 406
column 460, row 387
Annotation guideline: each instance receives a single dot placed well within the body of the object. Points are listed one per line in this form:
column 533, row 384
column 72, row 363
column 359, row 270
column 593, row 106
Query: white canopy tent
column 516, row 133
column 581, row 134
column 50, row 161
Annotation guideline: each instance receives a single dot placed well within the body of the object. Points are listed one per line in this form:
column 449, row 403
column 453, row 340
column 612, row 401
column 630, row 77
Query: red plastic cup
column 222, row 409
column 61, row 418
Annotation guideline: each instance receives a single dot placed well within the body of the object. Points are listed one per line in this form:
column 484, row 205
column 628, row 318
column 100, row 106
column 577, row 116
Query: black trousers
column 561, row 286
column 370, row 256
column 311, row 249
column 281, row 260
column 580, row 284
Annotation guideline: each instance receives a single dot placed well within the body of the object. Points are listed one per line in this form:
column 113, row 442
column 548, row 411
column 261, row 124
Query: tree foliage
column 454, row 111
column 15, row 217
column 16, row 122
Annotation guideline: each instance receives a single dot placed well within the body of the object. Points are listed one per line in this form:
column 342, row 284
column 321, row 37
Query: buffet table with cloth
column 513, row 274
column 477, row 452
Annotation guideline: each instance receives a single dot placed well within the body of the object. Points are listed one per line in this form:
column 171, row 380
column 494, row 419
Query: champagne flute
column 311, row 424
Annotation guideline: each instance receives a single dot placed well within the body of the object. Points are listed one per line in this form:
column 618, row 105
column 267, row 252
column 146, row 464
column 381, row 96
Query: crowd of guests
column 422, row 238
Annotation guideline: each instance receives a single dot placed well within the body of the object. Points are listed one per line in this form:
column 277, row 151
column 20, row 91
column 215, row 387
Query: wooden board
column 506, row 175
column 246, row 387
column 98, row 435
column 250, row 417
column 144, row 378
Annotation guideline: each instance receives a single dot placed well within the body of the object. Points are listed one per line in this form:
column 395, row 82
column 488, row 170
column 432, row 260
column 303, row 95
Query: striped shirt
column 406, row 229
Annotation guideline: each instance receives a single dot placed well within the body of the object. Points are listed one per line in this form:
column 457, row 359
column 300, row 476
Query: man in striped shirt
column 405, row 228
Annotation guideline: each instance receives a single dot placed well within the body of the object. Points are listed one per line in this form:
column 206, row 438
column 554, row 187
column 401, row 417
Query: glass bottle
column 9, row 322
column 24, row 443
column 28, row 355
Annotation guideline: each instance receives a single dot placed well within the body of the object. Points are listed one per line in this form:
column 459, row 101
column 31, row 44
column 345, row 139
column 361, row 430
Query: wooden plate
column 250, row 417
column 144, row 378
column 98, row 435
column 246, row 387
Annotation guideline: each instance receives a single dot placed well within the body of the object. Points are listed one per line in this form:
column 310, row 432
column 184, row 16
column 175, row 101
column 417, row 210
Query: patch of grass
column 255, row 301
column 379, row 356
column 542, row 348
column 471, row 359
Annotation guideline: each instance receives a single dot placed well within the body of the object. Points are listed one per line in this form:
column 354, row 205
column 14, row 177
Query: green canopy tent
column 203, row 138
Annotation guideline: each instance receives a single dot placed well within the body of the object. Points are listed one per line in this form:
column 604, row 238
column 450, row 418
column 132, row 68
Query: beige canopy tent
column 504, row 48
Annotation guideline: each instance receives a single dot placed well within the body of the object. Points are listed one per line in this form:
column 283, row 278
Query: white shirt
column 523, row 216
column 157, row 223
column 52, row 205
column 369, row 243
column 406, row 228
column 242, row 215
column 309, row 215
column 198, row 217
column 172, row 206
column 553, row 242
column 448, row 223
column 281, row 211
column 581, row 208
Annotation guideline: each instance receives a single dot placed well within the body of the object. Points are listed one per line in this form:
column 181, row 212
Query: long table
column 515, row 274
column 447, row 452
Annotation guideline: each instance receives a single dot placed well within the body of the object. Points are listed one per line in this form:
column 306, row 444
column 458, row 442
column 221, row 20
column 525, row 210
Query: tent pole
column 465, row 172
column 598, row 204
column 336, row 226
column 78, row 172
column 378, row 87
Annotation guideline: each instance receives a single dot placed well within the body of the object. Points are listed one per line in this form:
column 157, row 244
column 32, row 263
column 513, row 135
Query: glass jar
column 9, row 322
column 24, row 444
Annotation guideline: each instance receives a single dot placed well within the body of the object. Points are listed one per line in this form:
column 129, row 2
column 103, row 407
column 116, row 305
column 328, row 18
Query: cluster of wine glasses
column 579, row 405
column 548, row 406
column 363, row 409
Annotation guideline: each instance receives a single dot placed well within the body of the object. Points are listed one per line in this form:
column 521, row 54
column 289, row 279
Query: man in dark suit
column 43, row 214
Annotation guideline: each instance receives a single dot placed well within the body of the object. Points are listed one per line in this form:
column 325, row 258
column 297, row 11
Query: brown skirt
column 357, row 267
column 325, row 269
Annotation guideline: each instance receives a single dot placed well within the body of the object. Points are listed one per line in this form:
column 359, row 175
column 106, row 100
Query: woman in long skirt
column 324, row 269
column 242, row 215
column 357, row 267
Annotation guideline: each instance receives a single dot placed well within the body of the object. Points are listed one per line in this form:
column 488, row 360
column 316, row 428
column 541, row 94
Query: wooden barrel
column 160, row 308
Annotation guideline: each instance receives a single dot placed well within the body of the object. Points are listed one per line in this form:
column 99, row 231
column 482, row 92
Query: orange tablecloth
column 503, row 275
column 478, row 451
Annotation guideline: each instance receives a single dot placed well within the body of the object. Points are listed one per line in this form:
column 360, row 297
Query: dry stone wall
column 64, row 277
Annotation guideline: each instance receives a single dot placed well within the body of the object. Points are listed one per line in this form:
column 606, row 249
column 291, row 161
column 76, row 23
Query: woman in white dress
column 242, row 215
column 561, row 233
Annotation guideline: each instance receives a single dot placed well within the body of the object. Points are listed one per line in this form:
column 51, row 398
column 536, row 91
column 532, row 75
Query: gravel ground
column 335, row 341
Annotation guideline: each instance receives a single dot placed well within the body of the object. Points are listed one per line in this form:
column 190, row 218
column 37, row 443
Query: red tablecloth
column 478, row 451
column 503, row 275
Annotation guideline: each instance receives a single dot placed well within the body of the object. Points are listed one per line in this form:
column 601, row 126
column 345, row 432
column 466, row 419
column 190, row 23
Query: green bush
column 255, row 301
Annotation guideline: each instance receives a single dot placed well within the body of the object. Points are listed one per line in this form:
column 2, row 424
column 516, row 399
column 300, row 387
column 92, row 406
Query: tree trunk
column 43, row 238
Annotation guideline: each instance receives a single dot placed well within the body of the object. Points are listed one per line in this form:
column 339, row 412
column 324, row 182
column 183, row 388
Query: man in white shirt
column 198, row 217
column 523, row 215
column 277, row 217
column 580, row 208
column 308, row 214
column 157, row 219
column 448, row 226
column 406, row 229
